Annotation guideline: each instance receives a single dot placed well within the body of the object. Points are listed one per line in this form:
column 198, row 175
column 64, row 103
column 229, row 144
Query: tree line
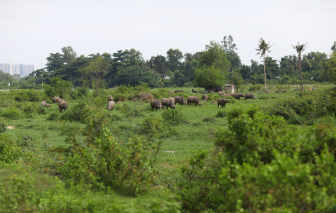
column 218, row 64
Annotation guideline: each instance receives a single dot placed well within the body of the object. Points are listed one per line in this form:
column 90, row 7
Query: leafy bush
column 83, row 91
column 252, row 135
column 58, row 87
column 256, row 87
column 12, row 113
column 209, row 119
column 305, row 108
column 174, row 117
column 78, row 113
column 285, row 184
column 221, row 114
column 53, row 116
column 27, row 95
column 10, row 150
column 125, row 167
column 2, row 125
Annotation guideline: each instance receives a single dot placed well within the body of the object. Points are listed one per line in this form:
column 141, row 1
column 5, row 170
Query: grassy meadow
column 178, row 143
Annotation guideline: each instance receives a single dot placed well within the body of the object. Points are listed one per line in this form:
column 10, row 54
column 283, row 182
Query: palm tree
column 263, row 48
column 299, row 49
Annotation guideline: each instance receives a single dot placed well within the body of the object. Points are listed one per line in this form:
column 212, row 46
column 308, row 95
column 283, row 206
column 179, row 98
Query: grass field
column 176, row 149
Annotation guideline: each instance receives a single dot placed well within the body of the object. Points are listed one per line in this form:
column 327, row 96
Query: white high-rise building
column 21, row 69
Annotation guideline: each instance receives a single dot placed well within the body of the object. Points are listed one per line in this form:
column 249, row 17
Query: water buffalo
column 193, row 99
column 168, row 102
column 250, row 96
column 204, row 98
column 55, row 99
column 155, row 103
column 222, row 102
column 237, row 95
column 44, row 104
column 180, row 100
column 110, row 105
column 62, row 105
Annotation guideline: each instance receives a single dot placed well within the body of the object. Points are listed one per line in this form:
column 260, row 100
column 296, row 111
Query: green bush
column 209, row 119
column 305, row 108
column 221, row 114
column 10, row 150
column 78, row 113
column 58, row 87
column 54, row 115
column 253, row 135
column 124, row 167
column 174, row 117
column 83, row 91
column 213, row 185
column 12, row 113
column 2, row 125
column 256, row 87
column 27, row 95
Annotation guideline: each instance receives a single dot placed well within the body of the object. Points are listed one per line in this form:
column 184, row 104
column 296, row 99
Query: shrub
column 83, row 91
column 305, row 108
column 174, row 117
column 153, row 126
column 125, row 167
column 27, row 95
column 212, row 184
column 54, row 114
column 58, row 87
column 12, row 113
column 78, row 113
column 209, row 119
column 10, row 150
column 221, row 114
column 256, row 87
column 2, row 125
column 253, row 135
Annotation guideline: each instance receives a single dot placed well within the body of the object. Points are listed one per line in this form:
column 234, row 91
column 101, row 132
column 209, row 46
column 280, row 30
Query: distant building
column 21, row 69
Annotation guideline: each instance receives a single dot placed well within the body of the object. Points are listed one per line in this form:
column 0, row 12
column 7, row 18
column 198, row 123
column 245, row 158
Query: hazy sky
column 31, row 30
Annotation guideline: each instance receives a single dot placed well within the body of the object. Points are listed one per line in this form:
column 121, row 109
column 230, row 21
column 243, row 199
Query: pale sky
column 31, row 29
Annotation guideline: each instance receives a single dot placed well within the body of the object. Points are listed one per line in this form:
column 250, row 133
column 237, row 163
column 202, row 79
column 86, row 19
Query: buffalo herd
column 160, row 104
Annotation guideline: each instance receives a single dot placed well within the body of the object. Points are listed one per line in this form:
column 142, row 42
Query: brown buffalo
column 55, row 99
column 44, row 104
column 237, row 95
column 193, row 99
column 221, row 93
column 179, row 91
column 156, row 104
column 110, row 105
column 222, row 102
column 180, row 100
column 168, row 102
column 62, row 105
column 204, row 98
column 250, row 96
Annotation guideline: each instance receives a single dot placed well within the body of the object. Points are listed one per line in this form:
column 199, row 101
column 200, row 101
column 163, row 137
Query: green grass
column 197, row 134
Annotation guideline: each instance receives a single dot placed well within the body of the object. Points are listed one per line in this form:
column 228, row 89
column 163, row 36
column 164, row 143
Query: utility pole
column 42, row 76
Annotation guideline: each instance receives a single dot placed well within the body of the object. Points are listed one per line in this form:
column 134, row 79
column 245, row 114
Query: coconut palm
column 299, row 49
column 263, row 48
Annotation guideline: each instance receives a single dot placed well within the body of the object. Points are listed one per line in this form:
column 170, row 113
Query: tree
column 214, row 56
column 208, row 75
column 69, row 55
column 55, row 61
column 95, row 72
column 160, row 65
column 331, row 64
column 299, row 49
column 262, row 49
column 228, row 44
column 230, row 49
column 333, row 48
column 174, row 58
